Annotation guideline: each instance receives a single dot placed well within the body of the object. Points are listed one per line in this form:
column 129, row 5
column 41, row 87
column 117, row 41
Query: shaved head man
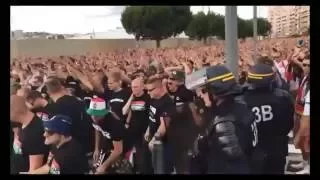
column 29, row 149
column 137, row 86
column 161, row 112
column 137, row 123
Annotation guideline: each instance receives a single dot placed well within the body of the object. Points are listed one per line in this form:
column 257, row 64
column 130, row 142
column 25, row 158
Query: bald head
column 137, row 82
column 18, row 107
column 137, row 86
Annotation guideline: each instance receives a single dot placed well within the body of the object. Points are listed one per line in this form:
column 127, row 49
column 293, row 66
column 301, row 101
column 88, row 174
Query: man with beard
column 30, row 151
column 39, row 105
column 183, row 130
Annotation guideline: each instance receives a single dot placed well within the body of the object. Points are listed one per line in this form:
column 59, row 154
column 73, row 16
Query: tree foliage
column 182, row 16
column 161, row 22
column 132, row 20
column 264, row 27
column 155, row 22
column 203, row 26
column 199, row 27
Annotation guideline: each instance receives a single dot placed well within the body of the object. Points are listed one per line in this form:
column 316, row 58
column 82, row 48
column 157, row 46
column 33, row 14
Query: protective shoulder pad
column 219, row 119
column 228, row 140
column 281, row 93
column 240, row 100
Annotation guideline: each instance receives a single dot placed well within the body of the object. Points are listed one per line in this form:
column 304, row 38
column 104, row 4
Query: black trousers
column 274, row 165
column 143, row 159
column 181, row 142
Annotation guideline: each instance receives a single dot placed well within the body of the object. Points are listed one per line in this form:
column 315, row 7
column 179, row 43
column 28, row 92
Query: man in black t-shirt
column 183, row 130
column 66, row 155
column 161, row 113
column 74, row 84
column 117, row 96
column 29, row 150
column 70, row 106
column 15, row 128
column 109, row 134
column 137, row 106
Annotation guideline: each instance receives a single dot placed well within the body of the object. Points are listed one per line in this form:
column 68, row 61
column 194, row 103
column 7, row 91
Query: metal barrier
column 158, row 155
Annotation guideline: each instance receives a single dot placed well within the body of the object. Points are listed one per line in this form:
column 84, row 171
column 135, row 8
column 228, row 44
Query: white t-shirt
column 306, row 110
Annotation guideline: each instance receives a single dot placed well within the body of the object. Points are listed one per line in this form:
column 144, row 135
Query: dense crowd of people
column 104, row 112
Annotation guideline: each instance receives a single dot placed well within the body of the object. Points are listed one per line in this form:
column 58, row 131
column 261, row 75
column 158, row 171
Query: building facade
column 289, row 20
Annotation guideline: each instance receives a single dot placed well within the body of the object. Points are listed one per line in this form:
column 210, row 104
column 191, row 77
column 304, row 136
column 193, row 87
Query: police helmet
column 261, row 75
column 219, row 80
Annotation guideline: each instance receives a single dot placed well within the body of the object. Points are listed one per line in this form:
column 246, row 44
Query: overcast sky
column 83, row 19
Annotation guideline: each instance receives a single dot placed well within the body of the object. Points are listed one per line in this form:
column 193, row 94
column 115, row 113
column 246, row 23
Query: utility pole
column 231, row 34
column 255, row 29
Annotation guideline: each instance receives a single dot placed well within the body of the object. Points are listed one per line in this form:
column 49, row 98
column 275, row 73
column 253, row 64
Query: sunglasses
column 300, row 59
column 150, row 90
column 305, row 65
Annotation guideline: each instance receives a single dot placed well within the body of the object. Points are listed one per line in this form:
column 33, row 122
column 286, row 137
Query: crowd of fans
column 108, row 107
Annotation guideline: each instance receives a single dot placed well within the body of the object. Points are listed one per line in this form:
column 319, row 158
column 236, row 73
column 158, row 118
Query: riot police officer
column 273, row 109
column 228, row 141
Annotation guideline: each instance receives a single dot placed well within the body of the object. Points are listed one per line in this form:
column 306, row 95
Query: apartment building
column 288, row 20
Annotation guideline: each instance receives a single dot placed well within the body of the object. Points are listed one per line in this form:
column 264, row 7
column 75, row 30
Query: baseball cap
column 177, row 75
column 97, row 107
column 60, row 124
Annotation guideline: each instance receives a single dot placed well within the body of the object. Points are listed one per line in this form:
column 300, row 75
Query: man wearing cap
column 183, row 130
column 66, row 155
column 109, row 133
column 273, row 109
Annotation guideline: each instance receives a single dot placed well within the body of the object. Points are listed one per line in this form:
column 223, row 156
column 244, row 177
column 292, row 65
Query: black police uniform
column 273, row 109
column 280, row 82
column 227, row 145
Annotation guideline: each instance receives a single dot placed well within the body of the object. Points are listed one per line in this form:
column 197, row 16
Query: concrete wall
column 43, row 47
